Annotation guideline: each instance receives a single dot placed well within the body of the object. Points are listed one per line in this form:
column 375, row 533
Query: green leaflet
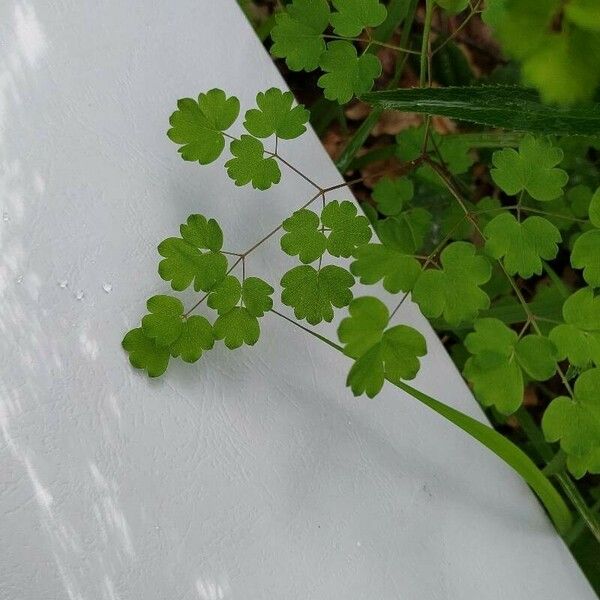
column 346, row 73
column 578, row 338
column 500, row 360
column 391, row 195
column 586, row 256
column 353, row 16
column 348, row 230
column 380, row 352
column 237, row 327
column 297, row 35
column 594, row 208
column 164, row 323
column 249, row 164
column 522, row 246
column 313, row 294
column 376, row 262
column 144, row 353
column 575, row 422
column 196, row 336
column 509, row 107
column 532, row 169
column 304, row 237
column 202, row 233
column 183, row 264
column 275, row 116
column 454, row 291
column 198, row 125
column 406, row 231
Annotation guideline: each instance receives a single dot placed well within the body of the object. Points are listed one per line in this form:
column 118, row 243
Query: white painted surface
column 253, row 474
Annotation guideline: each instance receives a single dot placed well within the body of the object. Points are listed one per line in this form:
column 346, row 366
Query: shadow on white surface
column 252, row 474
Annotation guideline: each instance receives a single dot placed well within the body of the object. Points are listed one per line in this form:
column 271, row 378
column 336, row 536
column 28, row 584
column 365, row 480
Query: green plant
column 471, row 262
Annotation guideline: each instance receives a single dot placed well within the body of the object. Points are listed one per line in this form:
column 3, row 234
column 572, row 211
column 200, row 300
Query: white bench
column 253, row 474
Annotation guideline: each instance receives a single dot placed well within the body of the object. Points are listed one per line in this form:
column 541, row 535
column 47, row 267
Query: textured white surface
column 253, row 474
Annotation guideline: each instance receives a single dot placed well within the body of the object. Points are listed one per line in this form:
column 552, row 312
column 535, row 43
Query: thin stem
column 580, row 525
column 570, row 489
column 549, row 214
column 276, row 229
column 313, row 333
column 425, row 50
column 293, row 168
column 370, row 42
column 428, row 260
column 474, row 11
column 191, row 310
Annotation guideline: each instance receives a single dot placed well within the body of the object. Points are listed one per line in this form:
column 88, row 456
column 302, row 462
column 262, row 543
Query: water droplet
column 63, row 283
column 20, row 279
column 79, row 295
column 5, row 216
column 157, row 527
column 107, row 287
column 358, row 544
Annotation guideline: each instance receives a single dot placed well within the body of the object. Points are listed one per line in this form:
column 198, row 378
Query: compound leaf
column 532, row 168
column 522, row 246
column 199, row 125
column 353, row 16
column 144, row 353
column 586, row 255
column 375, row 262
column 348, row 229
column 275, row 115
column 454, row 291
column 313, row 294
column 303, row 238
column 346, row 73
column 379, row 353
column 575, row 422
column 298, row 34
column 249, row 164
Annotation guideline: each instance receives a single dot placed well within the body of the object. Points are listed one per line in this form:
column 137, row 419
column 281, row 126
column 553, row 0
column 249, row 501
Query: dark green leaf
column 510, row 107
